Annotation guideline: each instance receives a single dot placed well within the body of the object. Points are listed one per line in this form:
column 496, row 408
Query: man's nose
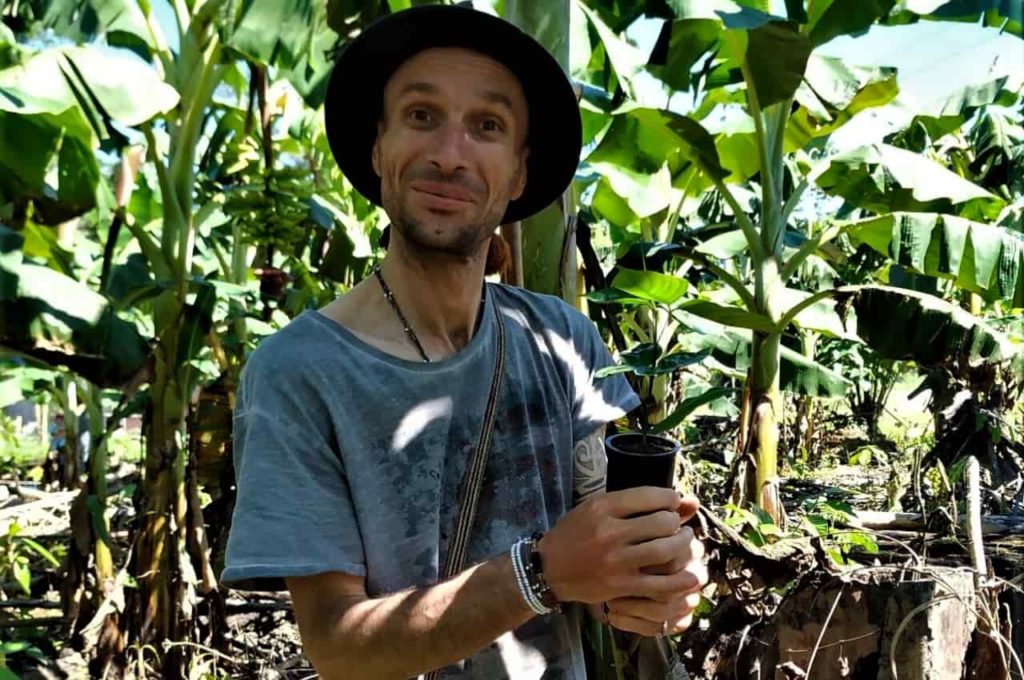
column 447, row 151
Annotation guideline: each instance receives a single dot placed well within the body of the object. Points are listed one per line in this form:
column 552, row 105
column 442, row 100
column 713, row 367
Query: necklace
column 405, row 322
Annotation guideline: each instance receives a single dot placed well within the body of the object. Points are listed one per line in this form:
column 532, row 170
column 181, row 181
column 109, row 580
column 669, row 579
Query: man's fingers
column 680, row 625
column 643, row 608
column 631, row 624
column 689, row 580
column 681, row 548
column 640, row 501
column 688, row 506
column 650, row 617
column 659, row 524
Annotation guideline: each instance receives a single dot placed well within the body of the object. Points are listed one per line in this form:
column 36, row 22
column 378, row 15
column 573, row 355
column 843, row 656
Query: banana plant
column 765, row 102
column 158, row 229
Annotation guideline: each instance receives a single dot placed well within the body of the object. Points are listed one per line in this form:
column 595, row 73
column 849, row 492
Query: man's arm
column 597, row 552
column 348, row 635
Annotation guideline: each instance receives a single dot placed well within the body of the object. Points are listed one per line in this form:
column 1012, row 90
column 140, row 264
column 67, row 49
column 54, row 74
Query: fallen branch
column 50, row 500
column 30, row 604
column 42, row 622
column 991, row 525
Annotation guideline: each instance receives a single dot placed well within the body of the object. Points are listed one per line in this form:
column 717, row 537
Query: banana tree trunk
column 764, row 408
column 548, row 239
column 764, row 416
column 91, row 539
column 164, row 593
column 160, row 611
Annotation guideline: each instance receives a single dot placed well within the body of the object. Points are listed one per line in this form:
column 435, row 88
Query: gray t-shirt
column 349, row 459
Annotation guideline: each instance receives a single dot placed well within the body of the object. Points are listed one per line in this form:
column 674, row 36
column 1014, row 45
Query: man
column 355, row 423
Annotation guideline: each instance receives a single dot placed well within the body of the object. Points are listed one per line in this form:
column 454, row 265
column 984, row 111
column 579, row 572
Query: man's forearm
column 403, row 635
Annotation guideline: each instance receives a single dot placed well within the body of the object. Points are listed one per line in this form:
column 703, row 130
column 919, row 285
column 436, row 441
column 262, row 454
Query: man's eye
column 492, row 125
column 420, row 115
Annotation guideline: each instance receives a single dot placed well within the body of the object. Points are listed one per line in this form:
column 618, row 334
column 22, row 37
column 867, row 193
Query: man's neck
column 439, row 294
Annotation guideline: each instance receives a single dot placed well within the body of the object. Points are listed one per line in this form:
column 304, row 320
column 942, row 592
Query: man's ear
column 375, row 154
column 520, row 180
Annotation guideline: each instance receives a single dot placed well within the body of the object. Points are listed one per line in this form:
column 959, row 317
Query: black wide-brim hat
column 355, row 95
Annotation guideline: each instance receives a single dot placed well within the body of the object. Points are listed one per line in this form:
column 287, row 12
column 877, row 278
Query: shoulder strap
column 472, row 482
column 474, row 476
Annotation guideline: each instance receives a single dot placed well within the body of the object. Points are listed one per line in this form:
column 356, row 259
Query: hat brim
column 355, row 96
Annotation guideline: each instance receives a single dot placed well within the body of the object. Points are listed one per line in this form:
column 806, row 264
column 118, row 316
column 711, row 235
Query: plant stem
column 810, row 247
column 746, row 225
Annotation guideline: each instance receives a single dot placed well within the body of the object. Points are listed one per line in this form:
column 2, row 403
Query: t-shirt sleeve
column 596, row 401
column 293, row 514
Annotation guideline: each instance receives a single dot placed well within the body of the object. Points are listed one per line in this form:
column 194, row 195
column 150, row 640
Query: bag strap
column 472, row 481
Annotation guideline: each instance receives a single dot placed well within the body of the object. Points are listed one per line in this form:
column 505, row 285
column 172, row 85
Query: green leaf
column 609, row 206
column 862, row 540
column 644, row 140
column 14, row 647
column 724, row 246
column 729, row 315
column 884, row 178
column 678, row 360
column 127, row 88
column 10, row 391
column 829, row 19
column 198, row 320
column 801, row 375
column 626, row 60
column 615, row 296
column 644, row 355
column 797, row 373
column 902, row 324
column 821, row 316
column 40, row 550
column 777, row 54
column 1007, row 15
column 651, row 286
column 84, row 20
column 688, row 406
column 22, row 574
column 37, row 149
column 832, row 93
column 980, row 258
column 301, row 39
column 645, row 194
column 684, row 43
column 60, row 321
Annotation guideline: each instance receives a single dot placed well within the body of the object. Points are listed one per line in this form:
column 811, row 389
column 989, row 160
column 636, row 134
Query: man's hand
column 672, row 614
column 628, row 548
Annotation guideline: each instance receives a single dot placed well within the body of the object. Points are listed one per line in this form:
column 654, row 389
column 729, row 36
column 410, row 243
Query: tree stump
column 858, row 625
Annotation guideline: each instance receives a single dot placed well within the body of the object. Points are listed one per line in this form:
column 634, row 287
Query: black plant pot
column 638, row 460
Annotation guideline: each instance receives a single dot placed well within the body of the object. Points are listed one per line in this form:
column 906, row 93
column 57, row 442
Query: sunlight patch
column 417, row 419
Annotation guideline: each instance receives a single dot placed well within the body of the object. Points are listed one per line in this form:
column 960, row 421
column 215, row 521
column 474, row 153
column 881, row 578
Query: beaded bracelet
column 522, row 580
column 530, row 578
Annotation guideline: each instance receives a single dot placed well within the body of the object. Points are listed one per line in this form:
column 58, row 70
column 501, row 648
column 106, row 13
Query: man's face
column 450, row 150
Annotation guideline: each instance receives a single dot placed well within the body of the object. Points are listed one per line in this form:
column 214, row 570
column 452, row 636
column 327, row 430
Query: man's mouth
column 442, row 195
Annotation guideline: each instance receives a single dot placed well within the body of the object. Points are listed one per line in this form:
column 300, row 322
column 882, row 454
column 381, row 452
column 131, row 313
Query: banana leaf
column 53, row 318
column 908, row 325
column 983, row 259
